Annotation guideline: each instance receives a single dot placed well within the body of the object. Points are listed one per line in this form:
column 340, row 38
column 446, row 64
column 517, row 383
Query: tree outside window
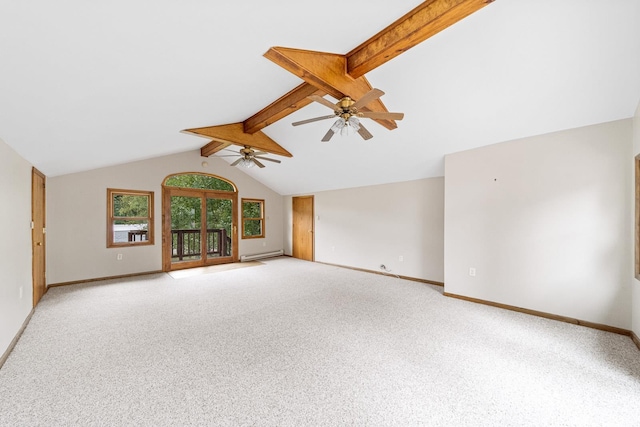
column 129, row 217
column 252, row 218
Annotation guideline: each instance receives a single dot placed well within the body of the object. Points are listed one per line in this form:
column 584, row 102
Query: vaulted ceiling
column 86, row 85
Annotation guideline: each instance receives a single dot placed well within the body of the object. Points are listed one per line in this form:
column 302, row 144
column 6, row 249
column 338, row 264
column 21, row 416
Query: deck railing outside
column 187, row 244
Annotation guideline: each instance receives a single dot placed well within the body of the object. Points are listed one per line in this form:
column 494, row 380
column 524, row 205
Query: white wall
column 546, row 222
column 368, row 226
column 635, row 282
column 76, row 216
column 15, row 244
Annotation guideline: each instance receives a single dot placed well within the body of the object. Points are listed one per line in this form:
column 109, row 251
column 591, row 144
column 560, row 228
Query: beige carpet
column 296, row 344
column 190, row 272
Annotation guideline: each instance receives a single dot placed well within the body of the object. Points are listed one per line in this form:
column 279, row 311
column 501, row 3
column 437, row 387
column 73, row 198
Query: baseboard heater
column 245, row 258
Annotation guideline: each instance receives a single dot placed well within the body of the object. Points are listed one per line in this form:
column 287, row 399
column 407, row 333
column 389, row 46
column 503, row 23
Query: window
column 252, row 218
column 129, row 218
column 194, row 180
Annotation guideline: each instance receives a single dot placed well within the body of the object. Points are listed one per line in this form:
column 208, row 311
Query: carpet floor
column 190, row 272
column 293, row 343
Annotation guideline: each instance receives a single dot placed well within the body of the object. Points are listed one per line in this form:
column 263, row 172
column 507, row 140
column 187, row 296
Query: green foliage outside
column 252, row 227
column 186, row 211
column 251, row 210
column 203, row 182
column 128, row 205
column 219, row 214
column 131, row 206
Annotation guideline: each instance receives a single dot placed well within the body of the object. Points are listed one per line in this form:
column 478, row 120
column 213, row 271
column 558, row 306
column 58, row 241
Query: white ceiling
column 90, row 84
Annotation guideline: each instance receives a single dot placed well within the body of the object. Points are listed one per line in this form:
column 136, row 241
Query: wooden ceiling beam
column 427, row 19
column 213, row 147
column 424, row 21
column 327, row 72
column 282, row 107
column 340, row 75
column 224, row 135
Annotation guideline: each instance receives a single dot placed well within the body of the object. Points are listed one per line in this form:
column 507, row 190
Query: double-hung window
column 129, row 217
column 252, row 218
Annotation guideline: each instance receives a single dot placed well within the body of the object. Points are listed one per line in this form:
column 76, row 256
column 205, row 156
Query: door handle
column 38, row 243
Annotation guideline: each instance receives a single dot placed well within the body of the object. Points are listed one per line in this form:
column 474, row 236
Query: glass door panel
column 219, row 228
column 199, row 228
column 186, row 225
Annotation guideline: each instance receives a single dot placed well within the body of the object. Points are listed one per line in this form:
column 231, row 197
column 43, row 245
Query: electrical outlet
column 401, row 258
column 264, row 243
column 20, row 292
column 119, row 257
column 472, row 271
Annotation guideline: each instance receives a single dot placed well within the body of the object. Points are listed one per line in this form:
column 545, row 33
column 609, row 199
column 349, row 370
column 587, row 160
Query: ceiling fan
column 249, row 157
column 347, row 111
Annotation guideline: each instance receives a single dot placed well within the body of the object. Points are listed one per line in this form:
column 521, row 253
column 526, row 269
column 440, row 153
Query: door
column 199, row 228
column 38, row 231
column 303, row 227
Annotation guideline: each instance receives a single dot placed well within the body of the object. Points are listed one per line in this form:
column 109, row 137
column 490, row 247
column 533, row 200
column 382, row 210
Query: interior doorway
column 303, row 228
column 38, row 234
column 199, row 225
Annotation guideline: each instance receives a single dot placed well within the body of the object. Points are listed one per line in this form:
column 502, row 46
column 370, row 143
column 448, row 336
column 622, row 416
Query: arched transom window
column 200, row 181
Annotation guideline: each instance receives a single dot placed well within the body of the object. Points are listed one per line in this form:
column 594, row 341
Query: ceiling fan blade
column 364, row 133
column 315, row 119
column 323, row 101
column 237, row 161
column 328, row 136
column 266, row 158
column 381, row 115
column 367, row 98
column 228, row 155
column 257, row 162
column 259, row 153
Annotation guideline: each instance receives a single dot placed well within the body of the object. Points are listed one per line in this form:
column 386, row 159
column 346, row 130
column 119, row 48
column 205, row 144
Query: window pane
column 185, row 212
column 185, row 228
column 199, row 181
column 130, row 231
column 128, row 205
column 219, row 223
column 130, row 217
column 252, row 210
column 252, row 227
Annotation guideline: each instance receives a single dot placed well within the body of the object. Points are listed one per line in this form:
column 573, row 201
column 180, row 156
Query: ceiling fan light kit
column 348, row 112
column 249, row 157
column 246, row 163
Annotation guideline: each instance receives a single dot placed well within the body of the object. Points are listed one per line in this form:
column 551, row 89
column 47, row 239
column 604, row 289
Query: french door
column 199, row 227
